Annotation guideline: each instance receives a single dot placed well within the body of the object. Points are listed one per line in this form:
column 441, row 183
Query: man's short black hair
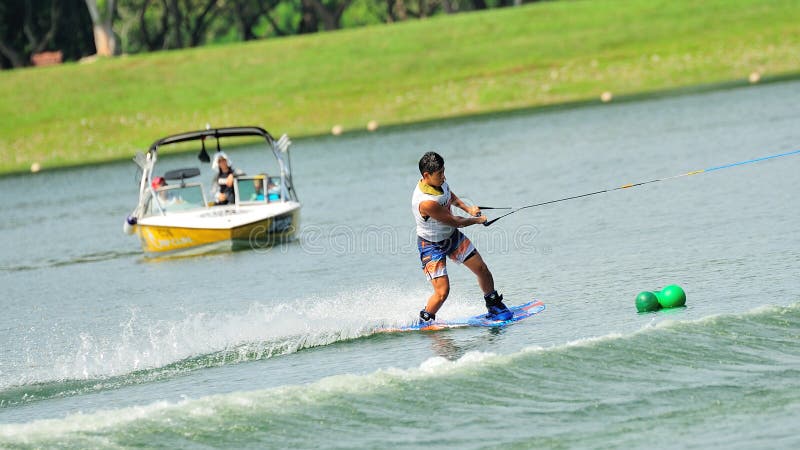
column 431, row 162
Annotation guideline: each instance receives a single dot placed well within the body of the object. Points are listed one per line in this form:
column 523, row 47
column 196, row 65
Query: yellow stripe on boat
column 160, row 239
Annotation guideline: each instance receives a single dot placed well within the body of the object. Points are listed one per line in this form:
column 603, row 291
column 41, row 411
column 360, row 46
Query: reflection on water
column 448, row 345
column 444, row 346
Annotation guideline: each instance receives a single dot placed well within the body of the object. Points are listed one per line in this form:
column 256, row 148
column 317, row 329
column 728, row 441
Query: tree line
column 80, row 28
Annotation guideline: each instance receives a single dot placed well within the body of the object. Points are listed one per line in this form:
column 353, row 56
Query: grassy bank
column 540, row 54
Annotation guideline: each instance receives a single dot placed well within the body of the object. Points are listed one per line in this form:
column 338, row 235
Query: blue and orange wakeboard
column 521, row 312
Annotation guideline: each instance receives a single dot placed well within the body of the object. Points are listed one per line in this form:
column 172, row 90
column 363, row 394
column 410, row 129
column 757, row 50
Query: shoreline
column 511, row 112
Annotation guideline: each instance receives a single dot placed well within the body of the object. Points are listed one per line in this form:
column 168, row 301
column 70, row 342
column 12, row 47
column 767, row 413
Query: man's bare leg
column 481, row 270
column 441, row 289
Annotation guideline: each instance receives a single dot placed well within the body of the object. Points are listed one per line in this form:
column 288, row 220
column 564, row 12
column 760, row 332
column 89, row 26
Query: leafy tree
column 74, row 37
column 142, row 26
column 166, row 24
column 328, row 11
column 19, row 39
column 248, row 15
column 107, row 27
column 364, row 12
column 193, row 18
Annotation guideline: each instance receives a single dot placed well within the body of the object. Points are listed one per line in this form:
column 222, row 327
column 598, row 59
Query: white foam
column 264, row 330
column 438, row 365
column 274, row 399
column 98, row 421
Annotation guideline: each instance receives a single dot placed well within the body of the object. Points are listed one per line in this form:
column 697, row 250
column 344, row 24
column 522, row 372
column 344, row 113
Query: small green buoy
column 647, row 301
column 672, row 296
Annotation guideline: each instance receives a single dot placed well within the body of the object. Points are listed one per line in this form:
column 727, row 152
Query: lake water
column 276, row 348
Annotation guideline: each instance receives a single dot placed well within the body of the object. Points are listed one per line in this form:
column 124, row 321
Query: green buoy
column 672, row 296
column 647, row 301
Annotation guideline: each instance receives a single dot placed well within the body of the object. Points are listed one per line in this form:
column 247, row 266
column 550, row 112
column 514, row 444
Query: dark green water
column 276, row 348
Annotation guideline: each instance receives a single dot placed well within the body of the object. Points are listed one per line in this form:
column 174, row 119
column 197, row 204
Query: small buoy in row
column 671, row 296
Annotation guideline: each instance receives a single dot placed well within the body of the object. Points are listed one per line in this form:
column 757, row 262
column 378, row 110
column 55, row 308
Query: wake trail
column 152, row 350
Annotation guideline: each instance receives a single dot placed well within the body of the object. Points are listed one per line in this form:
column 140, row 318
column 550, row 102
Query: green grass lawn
column 448, row 66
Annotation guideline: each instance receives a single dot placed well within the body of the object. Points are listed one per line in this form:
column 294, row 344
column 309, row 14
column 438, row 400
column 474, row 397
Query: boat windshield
column 251, row 189
column 177, row 198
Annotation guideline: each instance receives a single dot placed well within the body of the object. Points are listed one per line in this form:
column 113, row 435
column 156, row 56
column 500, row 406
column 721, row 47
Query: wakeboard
column 521, row 312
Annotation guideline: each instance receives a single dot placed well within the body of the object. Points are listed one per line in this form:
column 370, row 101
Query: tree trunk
column 174, row 38
column 401, row 13
column 389, row 11
column 154, row 39
column 244, row 19
column 308, row 20
column 12, row 55
column 105, row 42
column 197, row 25
column 447, row 6
column 479, row 4
column 330, row 19
column 39, row 44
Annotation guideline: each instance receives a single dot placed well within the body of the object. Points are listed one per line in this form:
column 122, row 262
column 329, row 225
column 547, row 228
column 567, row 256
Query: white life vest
column 429, row 228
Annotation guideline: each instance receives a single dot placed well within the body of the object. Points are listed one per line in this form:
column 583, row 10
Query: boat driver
column 224, row 181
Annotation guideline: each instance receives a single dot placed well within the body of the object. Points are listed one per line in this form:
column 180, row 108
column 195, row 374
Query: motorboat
column 177, row 213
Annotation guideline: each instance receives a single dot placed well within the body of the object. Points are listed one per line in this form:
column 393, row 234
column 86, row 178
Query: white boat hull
column 221, row 226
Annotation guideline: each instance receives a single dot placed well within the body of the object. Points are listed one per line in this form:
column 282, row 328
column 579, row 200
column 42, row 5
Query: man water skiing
column 438, row 237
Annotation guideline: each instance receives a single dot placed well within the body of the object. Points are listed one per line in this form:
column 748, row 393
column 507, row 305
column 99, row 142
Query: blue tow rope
column 626, row 186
